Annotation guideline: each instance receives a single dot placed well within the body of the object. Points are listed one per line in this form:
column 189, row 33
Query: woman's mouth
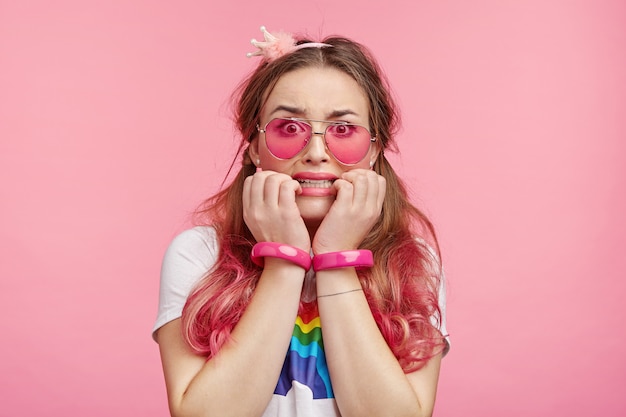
column 308, row 183
column 316, row 184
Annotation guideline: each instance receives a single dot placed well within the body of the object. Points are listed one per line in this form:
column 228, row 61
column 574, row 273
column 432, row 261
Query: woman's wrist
column 358, row 258
column 283, row 251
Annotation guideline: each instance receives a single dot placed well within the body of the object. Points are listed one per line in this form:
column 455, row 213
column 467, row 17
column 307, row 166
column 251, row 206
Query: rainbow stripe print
column 306, row 361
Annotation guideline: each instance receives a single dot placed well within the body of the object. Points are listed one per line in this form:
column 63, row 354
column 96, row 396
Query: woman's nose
column 316, row 150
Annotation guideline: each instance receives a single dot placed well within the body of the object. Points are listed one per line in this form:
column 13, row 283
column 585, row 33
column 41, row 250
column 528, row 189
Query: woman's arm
column 241, row 378
column 367, row 378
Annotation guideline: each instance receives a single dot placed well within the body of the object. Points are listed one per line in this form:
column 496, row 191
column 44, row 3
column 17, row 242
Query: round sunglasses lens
column 286, row 138
column 348, row 143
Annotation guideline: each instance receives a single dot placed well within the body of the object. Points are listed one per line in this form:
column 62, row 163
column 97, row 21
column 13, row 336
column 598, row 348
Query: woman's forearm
column 241, row 378
column 367, row 378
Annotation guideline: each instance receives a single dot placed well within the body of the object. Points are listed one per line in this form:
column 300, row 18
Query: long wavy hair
column 401, row 288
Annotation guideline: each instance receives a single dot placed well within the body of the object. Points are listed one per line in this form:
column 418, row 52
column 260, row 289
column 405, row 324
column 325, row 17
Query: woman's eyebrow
column 298, row 111
column 340, row 113
column 290, row 109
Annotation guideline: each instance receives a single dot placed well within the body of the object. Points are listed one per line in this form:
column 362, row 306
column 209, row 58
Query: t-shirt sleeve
column 187, row 259
column 436, row 269
column 442, row 308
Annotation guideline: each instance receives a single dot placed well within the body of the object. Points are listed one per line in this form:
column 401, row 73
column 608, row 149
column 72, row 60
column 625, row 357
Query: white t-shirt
column 304, row 388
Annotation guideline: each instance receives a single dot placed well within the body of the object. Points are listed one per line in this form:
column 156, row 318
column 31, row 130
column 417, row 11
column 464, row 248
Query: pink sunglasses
column 287, row 137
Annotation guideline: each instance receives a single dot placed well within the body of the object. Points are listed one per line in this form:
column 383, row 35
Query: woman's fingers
column 270, row 209
column 368, row 188
column 357, row 207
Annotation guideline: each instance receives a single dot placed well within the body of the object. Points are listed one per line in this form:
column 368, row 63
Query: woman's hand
column 357, row 207
column 270, row 210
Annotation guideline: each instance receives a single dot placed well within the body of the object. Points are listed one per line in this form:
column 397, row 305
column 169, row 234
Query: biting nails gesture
column 270, row 210
column 357, row 207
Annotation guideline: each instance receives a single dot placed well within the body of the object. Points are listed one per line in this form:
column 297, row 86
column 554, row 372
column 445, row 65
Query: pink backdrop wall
column 114, row 124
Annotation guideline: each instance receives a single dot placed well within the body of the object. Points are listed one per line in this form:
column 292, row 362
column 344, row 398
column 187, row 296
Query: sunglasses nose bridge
column 314, row 132
column 314, row 147
column 320, row 131
column 320, row 134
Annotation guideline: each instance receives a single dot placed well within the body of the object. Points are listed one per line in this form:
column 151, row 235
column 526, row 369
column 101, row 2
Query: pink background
column 114, row 124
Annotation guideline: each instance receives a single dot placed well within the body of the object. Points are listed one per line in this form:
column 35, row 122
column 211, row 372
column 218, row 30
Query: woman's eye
column 292, row 128
column 343, row 130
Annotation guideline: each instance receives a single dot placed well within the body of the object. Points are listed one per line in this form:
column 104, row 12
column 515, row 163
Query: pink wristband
column 282, row 251
column 348, row 258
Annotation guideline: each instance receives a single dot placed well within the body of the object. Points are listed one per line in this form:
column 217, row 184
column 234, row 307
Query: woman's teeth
column 316, row 183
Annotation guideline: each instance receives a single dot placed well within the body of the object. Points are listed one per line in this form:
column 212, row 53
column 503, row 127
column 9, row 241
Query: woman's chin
column 318, row 192
column 314, row 209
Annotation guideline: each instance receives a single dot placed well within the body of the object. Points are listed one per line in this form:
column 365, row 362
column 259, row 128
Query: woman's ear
column 253, row 151
column 375, row 153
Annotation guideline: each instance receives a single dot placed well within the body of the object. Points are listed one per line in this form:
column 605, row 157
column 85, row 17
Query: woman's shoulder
column 190, row 254
column 197, row 234
column 197, row 241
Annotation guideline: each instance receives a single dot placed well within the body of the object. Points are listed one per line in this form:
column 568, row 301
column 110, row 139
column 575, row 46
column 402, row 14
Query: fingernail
column 259, row 169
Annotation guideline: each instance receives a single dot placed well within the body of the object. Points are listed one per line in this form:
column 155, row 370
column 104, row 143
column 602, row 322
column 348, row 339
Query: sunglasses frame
column 314, row 133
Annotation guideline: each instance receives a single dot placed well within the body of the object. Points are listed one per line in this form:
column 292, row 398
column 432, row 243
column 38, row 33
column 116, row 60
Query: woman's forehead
column 317, row 91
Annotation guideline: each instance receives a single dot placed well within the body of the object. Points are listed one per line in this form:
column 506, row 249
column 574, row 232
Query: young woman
column 313, row 287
